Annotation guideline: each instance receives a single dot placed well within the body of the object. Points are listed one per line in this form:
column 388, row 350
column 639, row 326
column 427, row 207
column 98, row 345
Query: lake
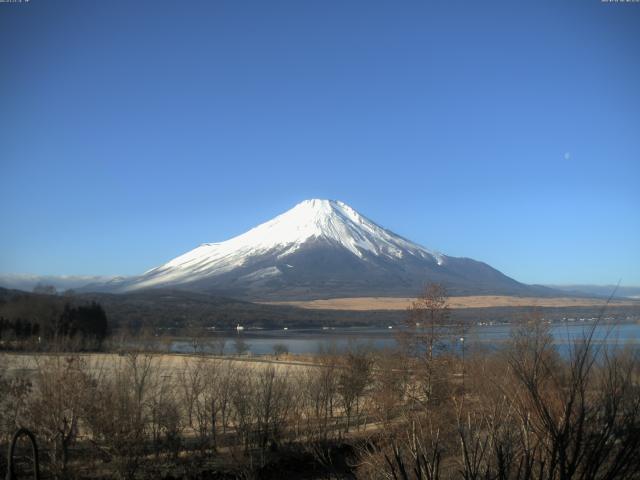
column 310, row 341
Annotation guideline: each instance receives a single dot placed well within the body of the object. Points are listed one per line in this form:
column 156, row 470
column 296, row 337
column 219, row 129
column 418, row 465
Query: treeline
column 36, row 319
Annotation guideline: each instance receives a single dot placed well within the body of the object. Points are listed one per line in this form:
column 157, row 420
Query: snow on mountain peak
column 328, row 220
column 311, row 220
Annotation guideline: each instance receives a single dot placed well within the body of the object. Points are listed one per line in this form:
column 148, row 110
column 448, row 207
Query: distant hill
column 600, row 290
column 27, row 282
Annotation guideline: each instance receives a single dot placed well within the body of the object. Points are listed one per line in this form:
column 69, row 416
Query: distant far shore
column 473, row 301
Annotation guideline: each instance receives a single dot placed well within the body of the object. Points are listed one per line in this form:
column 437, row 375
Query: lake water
column 310, row 341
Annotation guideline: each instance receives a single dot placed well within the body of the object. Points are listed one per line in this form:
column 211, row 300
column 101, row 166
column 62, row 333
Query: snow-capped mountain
column 319, row 248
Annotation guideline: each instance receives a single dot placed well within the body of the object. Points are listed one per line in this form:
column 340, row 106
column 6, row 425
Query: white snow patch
column 262, row 274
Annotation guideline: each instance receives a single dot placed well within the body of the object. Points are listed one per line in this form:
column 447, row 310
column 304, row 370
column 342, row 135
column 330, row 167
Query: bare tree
column 206, row 391
column 390, row 379
column 192, row 383
column 427, row 316
column 55, row 408
column 165, row 422
column 280, row 349
column 414, row 451
column 117, row 414
column 321, row 394
column 14, row 392
column 241, row 393
column 218, row 343
column 271, row 403
column 353, row 379
column 426, row 327
column 583, row 415
column 194, row 334
column 240, row 345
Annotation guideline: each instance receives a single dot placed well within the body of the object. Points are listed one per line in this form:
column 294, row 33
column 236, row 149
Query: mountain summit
column 320, row 248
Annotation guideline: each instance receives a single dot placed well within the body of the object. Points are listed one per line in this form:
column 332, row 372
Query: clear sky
column 505, row 131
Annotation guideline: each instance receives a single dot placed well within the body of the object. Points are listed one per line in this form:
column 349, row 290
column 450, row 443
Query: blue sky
column 504, row 131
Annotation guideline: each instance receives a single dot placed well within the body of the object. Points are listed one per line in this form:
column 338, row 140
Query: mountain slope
column 321, row 248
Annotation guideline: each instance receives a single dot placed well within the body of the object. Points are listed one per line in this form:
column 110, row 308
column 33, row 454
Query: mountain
column 320, row 249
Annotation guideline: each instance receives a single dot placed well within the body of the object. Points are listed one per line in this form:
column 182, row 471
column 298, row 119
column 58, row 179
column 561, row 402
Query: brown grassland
column 475, row 301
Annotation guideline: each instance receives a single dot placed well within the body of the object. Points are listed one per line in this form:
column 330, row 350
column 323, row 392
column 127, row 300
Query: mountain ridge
column 320, row 249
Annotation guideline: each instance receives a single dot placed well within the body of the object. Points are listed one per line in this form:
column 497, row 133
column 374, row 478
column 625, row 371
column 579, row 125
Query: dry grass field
column 170, row 364
column 479, row 301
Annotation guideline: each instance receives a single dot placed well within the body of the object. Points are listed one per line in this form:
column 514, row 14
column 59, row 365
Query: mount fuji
column 320, row 249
